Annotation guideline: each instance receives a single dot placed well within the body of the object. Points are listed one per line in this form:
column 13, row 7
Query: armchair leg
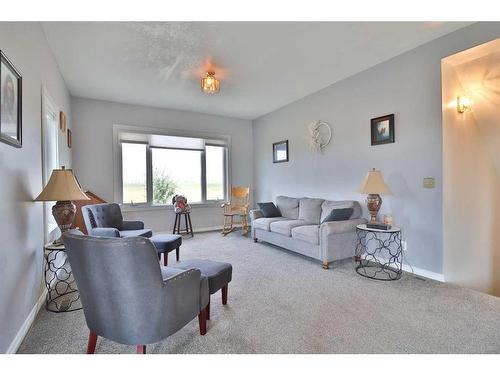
column 202, row 321
column 224, row 294
column 91, row 343
column 141, row 349
column 326, row 264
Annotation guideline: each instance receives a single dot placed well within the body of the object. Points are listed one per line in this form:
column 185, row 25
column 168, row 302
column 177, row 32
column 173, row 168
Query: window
column 134, row 173
column 176, row 171
column 156, row 167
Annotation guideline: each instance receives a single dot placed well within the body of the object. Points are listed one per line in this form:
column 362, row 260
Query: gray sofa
column 299, row 228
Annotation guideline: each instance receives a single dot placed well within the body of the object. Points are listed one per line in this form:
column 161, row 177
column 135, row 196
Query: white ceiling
column 262, row 66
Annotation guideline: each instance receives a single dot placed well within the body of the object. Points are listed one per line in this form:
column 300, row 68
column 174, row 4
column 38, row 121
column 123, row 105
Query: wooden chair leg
column 175, row 223
column 165, row 258
column 177, row 254
column 179, row 224
column 141, row 349
column 92, row 343
column 202, row 321
column 190, row 225
column 224, row 294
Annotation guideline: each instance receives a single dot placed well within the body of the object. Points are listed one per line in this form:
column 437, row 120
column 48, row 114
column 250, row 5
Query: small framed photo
column 280, row 151
column 70, row 140
column 382, row 130
column 62, row 121
column 10, row 103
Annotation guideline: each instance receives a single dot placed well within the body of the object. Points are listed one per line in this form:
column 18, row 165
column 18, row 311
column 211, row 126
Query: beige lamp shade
column 374, row 184
column 62, row 186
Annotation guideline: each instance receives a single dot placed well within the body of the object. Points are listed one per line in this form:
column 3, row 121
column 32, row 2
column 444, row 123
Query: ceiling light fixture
column 210, row 84
column 463, row 104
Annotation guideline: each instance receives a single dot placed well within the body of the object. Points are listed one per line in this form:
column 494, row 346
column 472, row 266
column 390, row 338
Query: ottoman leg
column 177, row 254
column 224, row 294
column 92, row 342
column 202, row 321
column 165, row 258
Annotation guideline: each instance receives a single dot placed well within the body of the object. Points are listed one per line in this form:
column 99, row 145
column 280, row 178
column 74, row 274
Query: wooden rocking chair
column 238, row 206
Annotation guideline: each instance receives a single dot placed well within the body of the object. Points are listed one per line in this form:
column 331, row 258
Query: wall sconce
column 463, row 104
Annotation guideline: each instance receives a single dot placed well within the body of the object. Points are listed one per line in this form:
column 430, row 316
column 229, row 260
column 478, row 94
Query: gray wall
column 408, row 86
column 21, row 229
column 93, row 152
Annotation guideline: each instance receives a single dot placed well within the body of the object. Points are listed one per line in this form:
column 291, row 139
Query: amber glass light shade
column 210, row 84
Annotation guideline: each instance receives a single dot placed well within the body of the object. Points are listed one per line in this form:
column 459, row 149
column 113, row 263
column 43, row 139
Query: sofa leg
column 326, row 264
column 202, row 321
column 141, row 349
column 92, row 342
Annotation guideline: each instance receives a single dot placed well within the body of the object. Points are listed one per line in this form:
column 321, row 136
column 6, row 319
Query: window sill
column 168, row 207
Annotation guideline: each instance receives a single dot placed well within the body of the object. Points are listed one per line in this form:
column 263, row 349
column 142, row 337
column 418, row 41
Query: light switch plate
column 429, row 182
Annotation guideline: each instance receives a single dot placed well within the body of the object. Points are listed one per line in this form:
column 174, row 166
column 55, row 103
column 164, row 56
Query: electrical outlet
column 405, row 246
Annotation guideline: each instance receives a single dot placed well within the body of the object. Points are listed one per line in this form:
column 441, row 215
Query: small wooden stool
column 177, row 224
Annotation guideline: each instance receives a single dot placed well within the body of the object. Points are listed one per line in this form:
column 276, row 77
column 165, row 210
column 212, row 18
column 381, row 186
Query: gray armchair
column 126, row 296
column 106, row 220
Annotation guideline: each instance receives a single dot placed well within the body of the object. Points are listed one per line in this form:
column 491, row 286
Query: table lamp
column 63, row 188
column 374, row 185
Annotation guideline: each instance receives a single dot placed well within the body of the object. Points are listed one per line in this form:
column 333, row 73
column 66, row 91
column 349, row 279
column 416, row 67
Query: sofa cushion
column 288, row 206
column 285, row 227
column 310, row 209
column 265, row 222
column 328, row 206
column 307, row 233
column 339, row 214
column 268, row 209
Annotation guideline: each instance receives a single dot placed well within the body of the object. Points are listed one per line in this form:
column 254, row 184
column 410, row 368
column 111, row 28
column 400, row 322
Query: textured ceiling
column 262, row 66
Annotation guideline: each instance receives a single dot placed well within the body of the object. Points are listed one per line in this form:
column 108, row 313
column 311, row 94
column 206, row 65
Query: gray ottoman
column 165, row 243
column 218, row 274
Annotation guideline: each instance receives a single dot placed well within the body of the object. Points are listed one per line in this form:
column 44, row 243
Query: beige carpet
column 281, row 302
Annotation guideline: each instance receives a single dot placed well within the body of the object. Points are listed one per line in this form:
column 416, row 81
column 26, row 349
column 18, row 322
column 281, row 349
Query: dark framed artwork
column 70, row 138
column 10, row 103
column 280, row 152
column 382, row 130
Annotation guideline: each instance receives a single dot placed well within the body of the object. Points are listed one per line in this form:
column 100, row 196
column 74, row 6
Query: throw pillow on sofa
column 269, row 209
column 339, row 214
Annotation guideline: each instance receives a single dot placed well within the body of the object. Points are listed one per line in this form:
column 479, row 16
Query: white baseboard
column 21, row 334
column 419, row 271
column 208, row 229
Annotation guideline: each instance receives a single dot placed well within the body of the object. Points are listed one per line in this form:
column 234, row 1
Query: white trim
column 419, row 271
column 21, row 334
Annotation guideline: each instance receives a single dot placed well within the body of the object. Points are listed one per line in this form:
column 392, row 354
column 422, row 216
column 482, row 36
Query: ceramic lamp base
column 373, row 201
column 64, row 212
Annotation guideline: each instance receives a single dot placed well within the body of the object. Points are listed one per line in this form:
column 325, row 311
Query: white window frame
column 117, row 165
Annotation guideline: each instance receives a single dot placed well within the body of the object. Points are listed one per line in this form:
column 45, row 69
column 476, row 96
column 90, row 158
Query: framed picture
column 62, row 121
column 10, row 103
column 382, row 129
column 280, row 151
column 70, row 140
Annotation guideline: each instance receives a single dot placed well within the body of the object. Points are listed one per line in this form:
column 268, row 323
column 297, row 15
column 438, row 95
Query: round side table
column 62, row 294
column 379, row 253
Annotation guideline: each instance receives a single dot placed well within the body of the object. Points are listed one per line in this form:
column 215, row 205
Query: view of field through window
column 174, row 171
